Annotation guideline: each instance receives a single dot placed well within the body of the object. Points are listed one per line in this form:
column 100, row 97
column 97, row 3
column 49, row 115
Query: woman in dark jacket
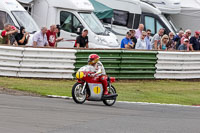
column 22, row 37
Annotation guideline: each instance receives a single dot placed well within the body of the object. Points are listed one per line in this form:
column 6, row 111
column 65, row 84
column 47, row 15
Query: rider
column 93, row 60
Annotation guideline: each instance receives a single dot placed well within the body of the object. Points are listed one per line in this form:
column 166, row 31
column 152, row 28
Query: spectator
column 177, row 39
column 40, row 38
column 195, row 41
column 51, row 36
column 164, row 41
column 133, row 38
column 184, row 46
column 57, row 31
column 139, row 31
column 126, row 42
column 58, row 27
column 82, row 40
column 6, row 33
column 22, row 38
column 156, row 40
column 187, row 36
column 148, row 39
column 12, row 36
column 141, row 42
column 171, row 43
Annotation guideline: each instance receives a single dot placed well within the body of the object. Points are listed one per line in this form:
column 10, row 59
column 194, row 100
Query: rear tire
column 76, row 93
column 111, row 102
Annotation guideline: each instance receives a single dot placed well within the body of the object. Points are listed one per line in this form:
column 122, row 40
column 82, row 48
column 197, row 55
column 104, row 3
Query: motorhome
column 166, row 6
column 129, row 13
column 73, row 16
column 13, row 13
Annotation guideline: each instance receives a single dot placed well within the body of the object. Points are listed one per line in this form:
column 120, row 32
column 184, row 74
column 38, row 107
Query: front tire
column 76, row 93
column 111, row 102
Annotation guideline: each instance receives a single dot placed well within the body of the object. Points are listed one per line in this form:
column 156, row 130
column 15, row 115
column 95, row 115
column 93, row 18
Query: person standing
column 148, row 39
column 133, row 38
column 177, row 39
column 126, row 42
column 156, row 40
column 187, row 36
column 141, row 42
column 22, row 38
column 138, row 32
column 164, row 41
column 195, row 41
column 51, row 36
column 82, row 40
column 40, row 38
column 184, row 46
column 6, row 33
column 171, row 44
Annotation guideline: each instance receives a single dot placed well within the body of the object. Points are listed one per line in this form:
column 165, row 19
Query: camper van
column 166, row 6
column 73, row 16
column 183, row 13
column 129, row 13
column 13, row 13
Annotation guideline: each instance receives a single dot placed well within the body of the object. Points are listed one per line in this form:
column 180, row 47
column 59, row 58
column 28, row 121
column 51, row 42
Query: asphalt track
column 26, row 114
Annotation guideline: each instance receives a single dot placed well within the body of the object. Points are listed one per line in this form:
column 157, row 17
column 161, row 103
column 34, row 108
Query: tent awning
column 102, row 11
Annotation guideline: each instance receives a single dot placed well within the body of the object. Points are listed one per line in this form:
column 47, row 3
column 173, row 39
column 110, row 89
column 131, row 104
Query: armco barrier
column 47, row 63
column 137, row 64
column 178, row 65
column 122, row 64
column 111, row 60
column 37, row 62
column 10, row 59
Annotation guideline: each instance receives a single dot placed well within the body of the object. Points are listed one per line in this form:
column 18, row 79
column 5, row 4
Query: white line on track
column 139, row 103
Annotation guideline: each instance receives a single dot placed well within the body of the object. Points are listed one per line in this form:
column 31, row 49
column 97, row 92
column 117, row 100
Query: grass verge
column 156, row 91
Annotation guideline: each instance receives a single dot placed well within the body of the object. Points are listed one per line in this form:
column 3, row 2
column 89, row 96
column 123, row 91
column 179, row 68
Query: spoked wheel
column 76, row 93
column 111, row 102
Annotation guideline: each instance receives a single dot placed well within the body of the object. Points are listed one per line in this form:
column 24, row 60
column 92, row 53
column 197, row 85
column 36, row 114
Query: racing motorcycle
column 89, row 88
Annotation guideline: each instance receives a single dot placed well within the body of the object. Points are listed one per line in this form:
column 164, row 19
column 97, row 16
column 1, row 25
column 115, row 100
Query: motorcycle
column 89, row 88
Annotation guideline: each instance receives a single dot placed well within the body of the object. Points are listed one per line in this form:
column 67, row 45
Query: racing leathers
column 101, row 73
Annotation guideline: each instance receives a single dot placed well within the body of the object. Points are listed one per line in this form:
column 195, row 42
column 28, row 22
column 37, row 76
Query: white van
column 13, row 13
column 129, row 13
column 73, row 16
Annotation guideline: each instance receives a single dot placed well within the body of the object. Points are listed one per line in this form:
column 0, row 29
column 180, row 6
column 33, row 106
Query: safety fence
column 178, row 65
column 37, row 62
column 122, row 64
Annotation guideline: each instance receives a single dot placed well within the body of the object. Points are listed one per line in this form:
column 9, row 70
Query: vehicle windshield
column 24, row 19
column 93, row 23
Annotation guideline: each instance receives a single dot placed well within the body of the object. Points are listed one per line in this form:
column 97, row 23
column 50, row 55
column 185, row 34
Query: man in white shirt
column 141, row 42
column 40, row 38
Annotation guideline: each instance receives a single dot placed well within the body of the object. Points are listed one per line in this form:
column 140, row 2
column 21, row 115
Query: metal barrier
column 178, row 65
column 10, row 59
column 37, row 62
column 122, row 64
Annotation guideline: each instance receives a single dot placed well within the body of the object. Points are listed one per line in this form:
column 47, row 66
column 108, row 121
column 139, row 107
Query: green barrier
column 122, row 64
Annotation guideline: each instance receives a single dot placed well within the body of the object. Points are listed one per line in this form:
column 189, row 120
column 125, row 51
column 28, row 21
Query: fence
column 37, row 62
column 122, row 64
column 178, row 65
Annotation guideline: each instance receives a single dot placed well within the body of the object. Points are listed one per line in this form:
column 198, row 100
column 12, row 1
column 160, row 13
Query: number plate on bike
column 96, row 91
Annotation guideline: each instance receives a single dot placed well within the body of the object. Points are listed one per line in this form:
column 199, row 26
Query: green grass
column 156, row 91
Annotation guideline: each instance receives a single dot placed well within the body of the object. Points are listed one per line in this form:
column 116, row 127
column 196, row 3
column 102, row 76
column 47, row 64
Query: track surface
column 25, row 114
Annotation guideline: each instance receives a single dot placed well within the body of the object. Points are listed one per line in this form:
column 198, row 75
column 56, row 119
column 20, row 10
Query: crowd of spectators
column 142, row 40
column 135, row 39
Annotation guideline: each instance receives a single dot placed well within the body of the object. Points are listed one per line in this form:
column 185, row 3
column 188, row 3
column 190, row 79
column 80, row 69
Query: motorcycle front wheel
column 76, row 93
column 111, row 102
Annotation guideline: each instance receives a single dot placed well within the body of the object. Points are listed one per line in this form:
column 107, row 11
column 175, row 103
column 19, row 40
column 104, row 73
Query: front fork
column 83, row 89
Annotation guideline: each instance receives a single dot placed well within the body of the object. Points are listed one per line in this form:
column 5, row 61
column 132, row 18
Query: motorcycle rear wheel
column 76, row 93
column 111, row 102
